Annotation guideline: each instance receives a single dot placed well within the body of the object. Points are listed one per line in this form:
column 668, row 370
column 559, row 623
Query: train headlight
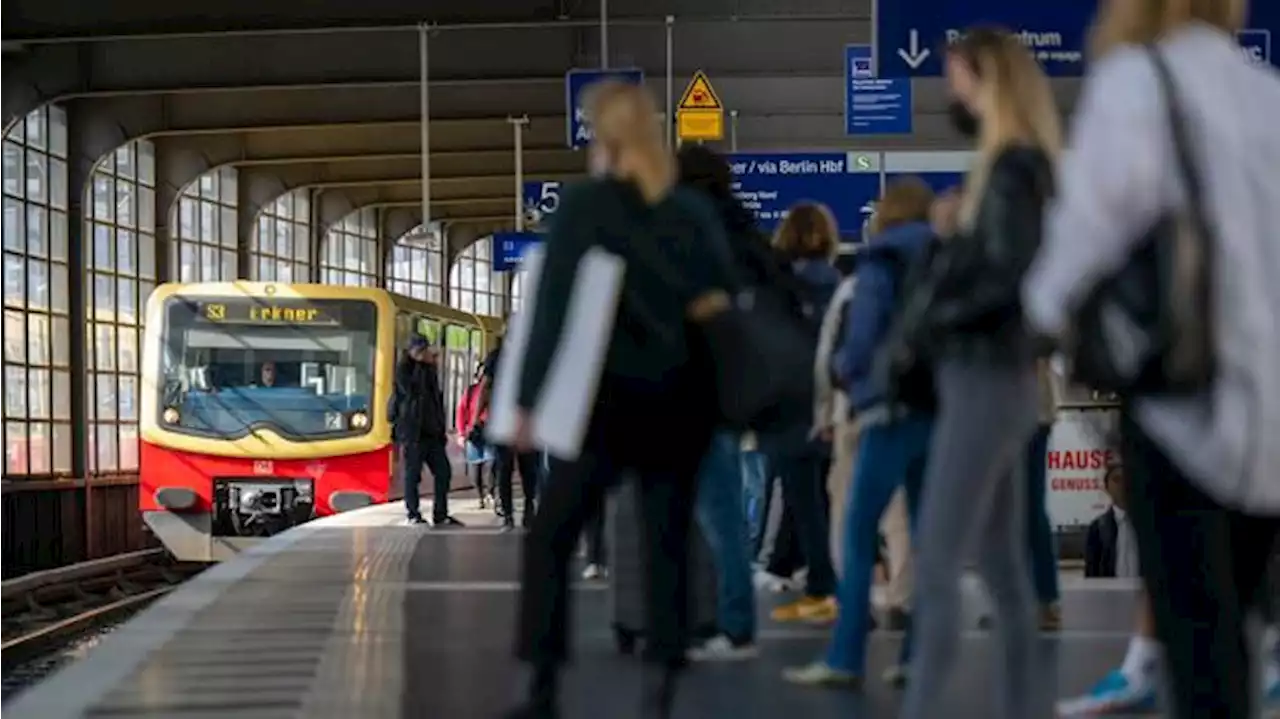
column 359, row 420
column 170, row 415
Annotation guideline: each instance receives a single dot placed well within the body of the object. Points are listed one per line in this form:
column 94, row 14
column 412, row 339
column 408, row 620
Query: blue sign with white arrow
column 873, row 106
column 911, row 34
column 768, row 184
column 576, row 83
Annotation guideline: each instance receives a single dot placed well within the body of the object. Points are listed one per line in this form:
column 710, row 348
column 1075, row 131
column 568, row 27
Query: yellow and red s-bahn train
column 264, row 405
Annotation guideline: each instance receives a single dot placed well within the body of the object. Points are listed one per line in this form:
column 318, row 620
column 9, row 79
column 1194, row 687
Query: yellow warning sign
column 700, row 124
column 700, row 116
column 699, row 95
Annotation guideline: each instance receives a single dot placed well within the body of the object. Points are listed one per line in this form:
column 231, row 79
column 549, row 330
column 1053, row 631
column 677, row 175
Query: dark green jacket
column 674, row 251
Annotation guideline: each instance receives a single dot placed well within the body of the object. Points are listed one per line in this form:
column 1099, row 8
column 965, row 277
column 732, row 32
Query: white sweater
column 1118, row 176
column 831, row 404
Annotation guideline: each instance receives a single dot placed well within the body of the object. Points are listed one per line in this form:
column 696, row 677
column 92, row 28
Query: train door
column 457, row 367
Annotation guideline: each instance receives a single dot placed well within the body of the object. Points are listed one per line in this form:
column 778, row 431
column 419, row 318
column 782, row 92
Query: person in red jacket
column 469, row 420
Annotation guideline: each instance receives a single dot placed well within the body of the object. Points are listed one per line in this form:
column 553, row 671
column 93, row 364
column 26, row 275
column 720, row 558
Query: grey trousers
column 972, row 508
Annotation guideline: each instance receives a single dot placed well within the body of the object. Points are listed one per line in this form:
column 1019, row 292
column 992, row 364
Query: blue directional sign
column 1256, row 44
column 911, row 33
column 576, row 83
column 509, row 248
column 873, row 106
column 541, row 200
column 768, row 184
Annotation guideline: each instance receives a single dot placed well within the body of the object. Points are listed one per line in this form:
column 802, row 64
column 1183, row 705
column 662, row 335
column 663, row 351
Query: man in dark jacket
column 419, row 426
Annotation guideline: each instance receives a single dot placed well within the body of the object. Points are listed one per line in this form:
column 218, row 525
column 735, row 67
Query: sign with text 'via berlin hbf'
column 767, row 184
column 576, row 83
column 911, row 33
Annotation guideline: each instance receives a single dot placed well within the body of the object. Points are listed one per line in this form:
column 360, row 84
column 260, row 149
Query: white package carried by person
column 562, row 412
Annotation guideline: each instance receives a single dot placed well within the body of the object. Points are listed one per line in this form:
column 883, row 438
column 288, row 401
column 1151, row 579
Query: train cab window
column 304, row 369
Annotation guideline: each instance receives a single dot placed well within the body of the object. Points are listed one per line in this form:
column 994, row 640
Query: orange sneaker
column 816, row 610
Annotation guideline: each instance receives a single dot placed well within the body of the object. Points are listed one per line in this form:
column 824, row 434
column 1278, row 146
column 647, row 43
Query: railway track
column 45, row 612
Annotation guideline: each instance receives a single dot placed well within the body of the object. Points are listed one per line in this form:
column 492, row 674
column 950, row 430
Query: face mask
column 962, row 119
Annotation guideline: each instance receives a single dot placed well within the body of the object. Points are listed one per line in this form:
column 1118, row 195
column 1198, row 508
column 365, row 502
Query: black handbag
column 763, row 359
column 1147, row 329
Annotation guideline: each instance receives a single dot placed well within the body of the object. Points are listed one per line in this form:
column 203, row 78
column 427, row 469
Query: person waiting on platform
column 966, row 318
column 1111, row 550
column 720, row 483
column 508, row 459
column 419, row 426
column 807, row 239
column 895, row 427
column 1201, row 465
column 469, row 422
column 652, row 376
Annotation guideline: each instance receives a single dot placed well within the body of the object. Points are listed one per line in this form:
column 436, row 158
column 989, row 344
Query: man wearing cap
column 419, row 427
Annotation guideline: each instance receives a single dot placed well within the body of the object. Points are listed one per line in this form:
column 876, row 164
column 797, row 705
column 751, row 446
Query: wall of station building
column 122, row 262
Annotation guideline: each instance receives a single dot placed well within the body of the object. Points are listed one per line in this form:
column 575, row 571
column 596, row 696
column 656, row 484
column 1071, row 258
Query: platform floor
column 353, row 616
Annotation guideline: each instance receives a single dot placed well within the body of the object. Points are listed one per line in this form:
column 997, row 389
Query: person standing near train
column 420, row 428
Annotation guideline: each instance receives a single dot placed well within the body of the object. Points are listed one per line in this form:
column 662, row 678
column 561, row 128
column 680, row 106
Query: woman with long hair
column 966, row 320
column 653, row 375
column 807, row 239
column 1201, row 468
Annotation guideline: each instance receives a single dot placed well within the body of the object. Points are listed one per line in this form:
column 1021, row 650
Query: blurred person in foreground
column 655, row 374
column 965, row 319
column 1204, row 492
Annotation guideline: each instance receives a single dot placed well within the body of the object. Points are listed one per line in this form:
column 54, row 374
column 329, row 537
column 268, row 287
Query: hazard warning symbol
column 700, row 115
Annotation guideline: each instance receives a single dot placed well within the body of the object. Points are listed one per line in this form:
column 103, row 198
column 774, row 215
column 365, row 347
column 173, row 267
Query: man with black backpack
column 896, row 423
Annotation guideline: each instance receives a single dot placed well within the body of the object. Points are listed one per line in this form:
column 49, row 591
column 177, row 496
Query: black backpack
column 908, row 378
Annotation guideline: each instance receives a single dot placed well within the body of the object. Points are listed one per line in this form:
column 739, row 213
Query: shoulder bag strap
column 1188, row 171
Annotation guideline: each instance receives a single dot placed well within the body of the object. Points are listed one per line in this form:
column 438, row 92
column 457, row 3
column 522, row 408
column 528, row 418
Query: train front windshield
column 302, row 368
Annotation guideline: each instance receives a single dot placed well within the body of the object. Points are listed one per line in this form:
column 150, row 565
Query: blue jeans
column 889, row 455
column 1044, row 560
column 755, row 485
column 720, row 517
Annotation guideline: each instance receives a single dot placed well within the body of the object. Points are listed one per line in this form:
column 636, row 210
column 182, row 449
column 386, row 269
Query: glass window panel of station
column 349, row 251
column 281, row 238
column 473, row 284
column 413, row 266
column 517, row 291
column 120, row 258
column 36, row 326
column 205, row 225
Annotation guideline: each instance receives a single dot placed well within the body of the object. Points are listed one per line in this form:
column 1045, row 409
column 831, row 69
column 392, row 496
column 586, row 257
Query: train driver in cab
column 267, row 376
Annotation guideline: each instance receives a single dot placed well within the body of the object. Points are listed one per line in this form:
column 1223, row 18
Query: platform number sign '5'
column 541, row 200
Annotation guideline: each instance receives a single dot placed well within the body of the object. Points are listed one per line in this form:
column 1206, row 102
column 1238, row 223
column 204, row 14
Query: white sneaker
column 770, row 582
column 594, row 571
column 722, row 649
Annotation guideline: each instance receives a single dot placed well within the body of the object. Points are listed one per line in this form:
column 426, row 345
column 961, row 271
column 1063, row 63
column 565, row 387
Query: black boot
column 542, row 702
column 658, row 697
